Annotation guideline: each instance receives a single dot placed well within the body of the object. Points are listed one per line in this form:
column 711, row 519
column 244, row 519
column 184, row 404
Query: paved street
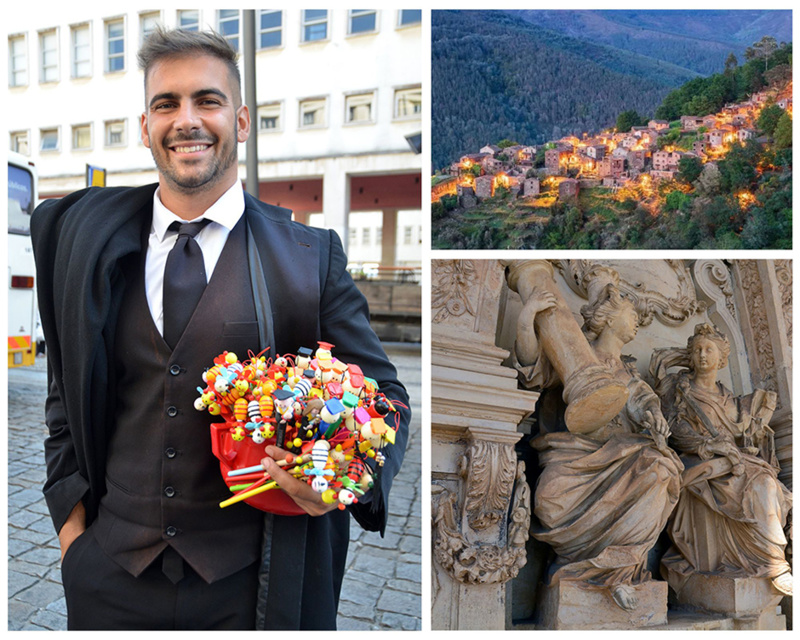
column 382, row 585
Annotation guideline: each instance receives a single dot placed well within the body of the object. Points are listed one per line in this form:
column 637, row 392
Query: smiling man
column 139, row 289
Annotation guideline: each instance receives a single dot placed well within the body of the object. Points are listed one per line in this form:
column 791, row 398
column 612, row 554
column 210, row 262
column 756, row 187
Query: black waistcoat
column 164, row 485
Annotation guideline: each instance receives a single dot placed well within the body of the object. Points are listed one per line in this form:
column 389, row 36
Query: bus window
column 20, row 200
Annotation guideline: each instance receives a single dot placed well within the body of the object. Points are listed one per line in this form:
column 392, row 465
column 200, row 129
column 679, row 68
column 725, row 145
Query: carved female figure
column 602, row 497
column 732, row 510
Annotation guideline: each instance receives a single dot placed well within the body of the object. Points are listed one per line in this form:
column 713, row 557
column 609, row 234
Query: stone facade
column 487, row 573
column 568, row 189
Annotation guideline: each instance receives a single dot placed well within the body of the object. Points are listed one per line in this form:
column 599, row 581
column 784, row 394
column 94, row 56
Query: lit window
column 48, row 45
column 115, row 46
column 19, row 142
column 409, row 16
column 269, row 117
column 148, row 23
column 49, row 139
column 17, row 62
column 270, row 25
column 82, row 136
column 366, row 235
column 81, row 51
column 312, row 113
column 228, row 26
column 315, row 24
column 115, row 133
column 362, row 21
column 408, row 103
column 358, row 108
column 189, row 20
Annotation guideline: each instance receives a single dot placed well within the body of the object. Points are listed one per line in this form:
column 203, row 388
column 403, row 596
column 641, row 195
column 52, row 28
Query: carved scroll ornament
column 453, row 283
column 481, row 563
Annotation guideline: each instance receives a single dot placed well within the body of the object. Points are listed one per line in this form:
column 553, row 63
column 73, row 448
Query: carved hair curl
column 597, row 314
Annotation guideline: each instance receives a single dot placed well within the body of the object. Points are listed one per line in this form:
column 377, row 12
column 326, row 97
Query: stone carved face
column 705, row 355
column 623, row 322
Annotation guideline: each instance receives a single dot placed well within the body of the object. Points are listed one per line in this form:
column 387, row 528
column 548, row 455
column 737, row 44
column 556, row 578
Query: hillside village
column 640, row 157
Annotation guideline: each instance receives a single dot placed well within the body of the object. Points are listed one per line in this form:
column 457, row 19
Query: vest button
column 171, row 531
column 169, row 492
column 172, row 412
column 170, row 452
column 175, row 369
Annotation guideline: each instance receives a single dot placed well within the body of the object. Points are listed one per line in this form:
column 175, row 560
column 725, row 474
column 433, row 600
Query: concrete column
column 389, row 238
column 336, row 200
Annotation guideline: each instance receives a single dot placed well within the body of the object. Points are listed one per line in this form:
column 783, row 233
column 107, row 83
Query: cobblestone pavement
column 381, row 589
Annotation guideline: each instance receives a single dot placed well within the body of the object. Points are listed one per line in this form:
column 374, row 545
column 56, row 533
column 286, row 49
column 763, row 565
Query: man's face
column 192, row 124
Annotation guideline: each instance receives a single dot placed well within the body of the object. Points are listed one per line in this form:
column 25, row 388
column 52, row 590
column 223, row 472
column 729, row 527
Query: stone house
column 637, row 159
column 715, row 137
column 568, row 189
column 746, row 134
column 491, row 164
column 663, row 175
column 531, row 187
column 784, row 103
column 553, row 159
column 596, row 151
column 658, row 125
column 617, row 166
column 699, row 147
column 710, row 121
column 691, row 123
column 491, row 149
column 484, row 187
column 666, row 160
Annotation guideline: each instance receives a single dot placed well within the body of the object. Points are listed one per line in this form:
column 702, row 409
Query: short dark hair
column 162, row 44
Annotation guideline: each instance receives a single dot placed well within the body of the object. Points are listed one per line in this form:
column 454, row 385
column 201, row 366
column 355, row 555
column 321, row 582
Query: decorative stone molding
column 453, row 289
column 487, row 470
column 474, row 562
column 669, row 310
column 763, row 371
column 783, row 273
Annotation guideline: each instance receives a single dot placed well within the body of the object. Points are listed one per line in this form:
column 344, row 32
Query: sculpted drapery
column 732, row 511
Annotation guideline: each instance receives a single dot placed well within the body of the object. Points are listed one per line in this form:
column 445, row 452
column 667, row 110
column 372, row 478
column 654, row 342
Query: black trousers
column 102, row 595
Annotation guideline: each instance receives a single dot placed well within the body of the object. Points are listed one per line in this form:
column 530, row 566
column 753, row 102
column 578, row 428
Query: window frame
column 42, row 134
column 229, row 38
column 106, row 131
column 23, row 39
column 361, row 13
column 261, row 31
column 75, row 128
column 14, row 136
column 73, row 50
column 306, row 23
column 143, row 15
column 107, row 55
column 305, row 101
column 404, row 25
column 267, row 105
column 195, row 27
column 400, row 91
column 355, row 96
column 42, row 68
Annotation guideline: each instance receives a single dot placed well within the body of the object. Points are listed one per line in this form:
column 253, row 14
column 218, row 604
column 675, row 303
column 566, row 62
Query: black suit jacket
column 303, row 294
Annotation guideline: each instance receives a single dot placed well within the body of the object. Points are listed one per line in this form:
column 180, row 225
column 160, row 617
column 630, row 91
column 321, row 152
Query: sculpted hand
column 540, row 300
column 306, row 498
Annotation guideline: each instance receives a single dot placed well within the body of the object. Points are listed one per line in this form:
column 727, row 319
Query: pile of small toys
column 325, row 413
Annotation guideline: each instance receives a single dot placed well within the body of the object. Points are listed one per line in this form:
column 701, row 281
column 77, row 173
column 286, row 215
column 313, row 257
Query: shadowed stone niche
column 611, row 444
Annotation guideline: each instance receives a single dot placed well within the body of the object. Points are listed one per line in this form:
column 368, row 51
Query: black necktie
column 184, row 280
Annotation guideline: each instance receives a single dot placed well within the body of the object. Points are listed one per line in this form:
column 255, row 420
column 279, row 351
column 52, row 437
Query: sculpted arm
column 526, row 346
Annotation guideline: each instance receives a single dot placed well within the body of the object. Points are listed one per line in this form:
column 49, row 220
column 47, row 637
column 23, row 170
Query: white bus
column 23, row 315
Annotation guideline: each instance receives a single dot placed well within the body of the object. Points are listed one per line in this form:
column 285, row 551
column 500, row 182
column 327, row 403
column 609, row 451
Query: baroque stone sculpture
column 729, row 522
column 606, row 488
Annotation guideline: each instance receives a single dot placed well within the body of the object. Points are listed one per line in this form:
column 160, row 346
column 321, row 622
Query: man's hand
column 73, row 527
column 306, row 498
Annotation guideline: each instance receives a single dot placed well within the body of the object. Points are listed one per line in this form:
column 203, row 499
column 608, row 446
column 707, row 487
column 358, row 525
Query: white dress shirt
column 224, row 214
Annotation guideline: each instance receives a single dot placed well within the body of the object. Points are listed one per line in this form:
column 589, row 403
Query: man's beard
column 189, row 182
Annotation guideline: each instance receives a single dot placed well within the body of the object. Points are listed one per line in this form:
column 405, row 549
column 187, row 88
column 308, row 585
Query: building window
column 115, row 133
column 49, row 140
column 378, row 235
column 115, row 46
column 82, row 136
column 358, row 108
column 315, row 25
column 81, row 51
column 353, row 235
column 148, row 23
column 366, row 236
column 312, row 113
column 228, row 26
column 409, row 16
column 19, row 142
column 189, row 20
column 408, row 235
column 362, row 21
column 48, row 45
column 408, row 103
column 17, row 62
column 270, row 29
column 269, row 117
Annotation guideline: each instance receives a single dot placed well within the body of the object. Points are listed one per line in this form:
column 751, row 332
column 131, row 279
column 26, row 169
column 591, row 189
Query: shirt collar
column 225, row 211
